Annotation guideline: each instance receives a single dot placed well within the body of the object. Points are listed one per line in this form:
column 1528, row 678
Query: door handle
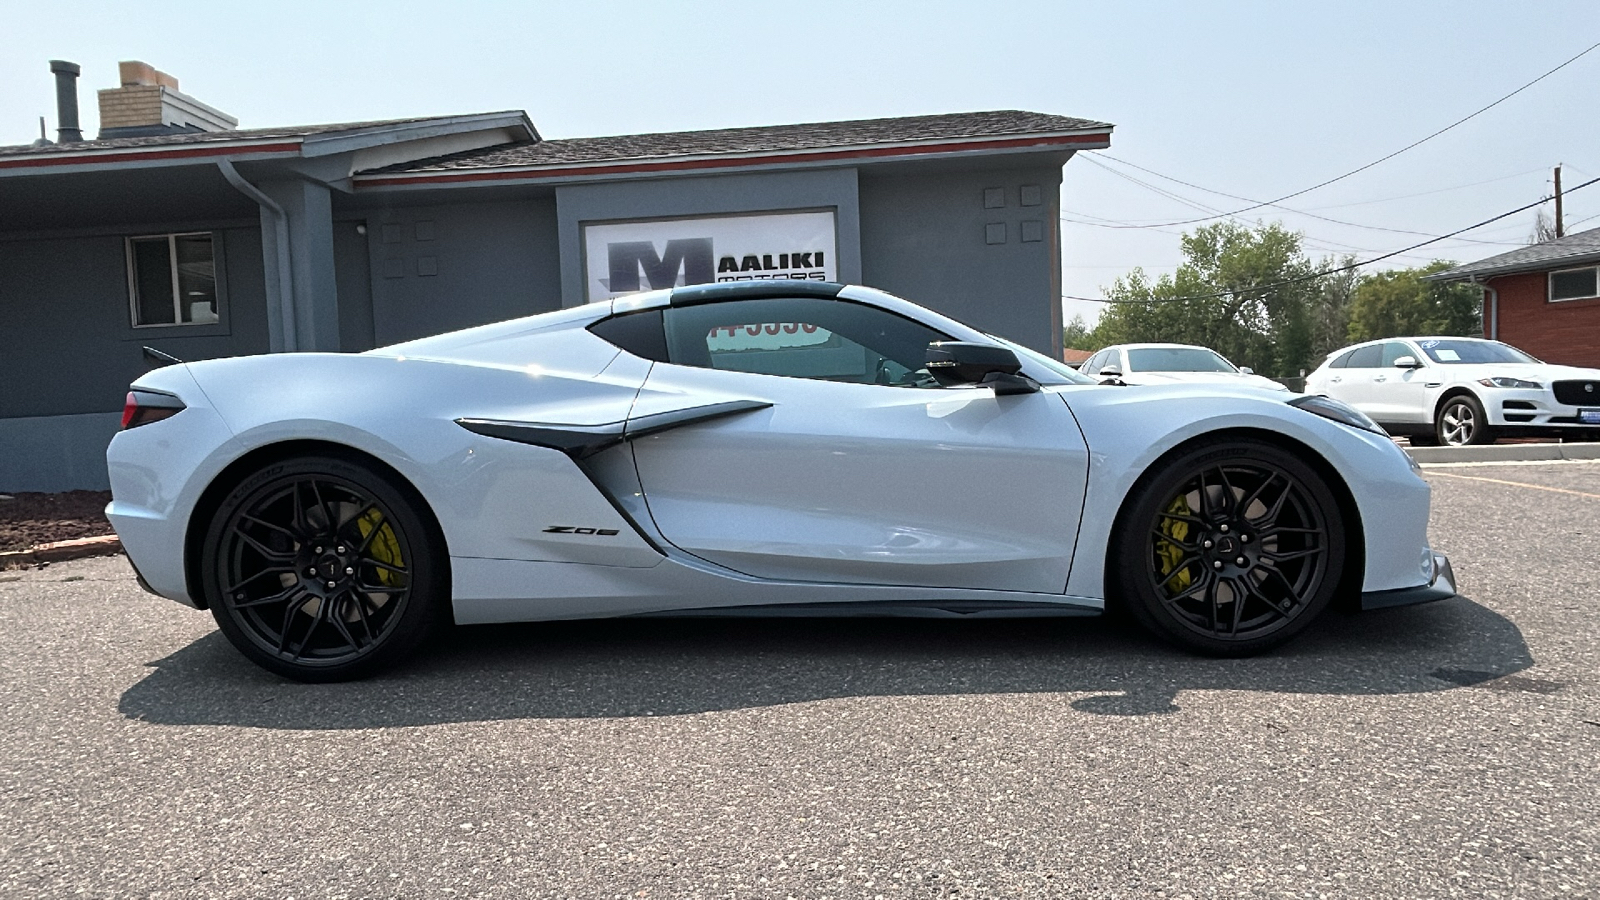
column 1336, row 379
column 1381, row 378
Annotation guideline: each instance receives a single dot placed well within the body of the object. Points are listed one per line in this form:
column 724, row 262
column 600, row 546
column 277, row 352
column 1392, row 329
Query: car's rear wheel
column 1230, row 549
column 322, row 569
column 1461, row 422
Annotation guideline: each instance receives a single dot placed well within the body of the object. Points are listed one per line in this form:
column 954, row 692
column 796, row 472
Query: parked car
column 757, row 448
column 1168, row 363
column 1460, row 390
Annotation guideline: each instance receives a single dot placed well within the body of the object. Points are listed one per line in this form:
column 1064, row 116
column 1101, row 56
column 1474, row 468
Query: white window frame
column 1550, row 282
column 172, row 263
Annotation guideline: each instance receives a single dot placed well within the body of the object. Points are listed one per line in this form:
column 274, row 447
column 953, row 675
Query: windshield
column 1059, row 372
column 1177, row 359
column 1453, row 353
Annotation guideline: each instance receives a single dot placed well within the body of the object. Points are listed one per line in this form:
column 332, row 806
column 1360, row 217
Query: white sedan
column 1167, row 363
column 754, row 448
column 1460, row 390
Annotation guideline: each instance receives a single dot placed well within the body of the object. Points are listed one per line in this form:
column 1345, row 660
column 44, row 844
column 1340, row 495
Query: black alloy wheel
column 1461, row 422
column 1230, row 549
column 319, row 569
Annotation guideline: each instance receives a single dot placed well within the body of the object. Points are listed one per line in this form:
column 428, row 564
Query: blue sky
column 1254, row 99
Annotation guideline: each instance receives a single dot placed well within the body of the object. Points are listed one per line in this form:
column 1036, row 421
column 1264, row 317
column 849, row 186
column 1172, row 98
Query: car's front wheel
column 322, row 569
column 1461, row 422
column 1230, row 549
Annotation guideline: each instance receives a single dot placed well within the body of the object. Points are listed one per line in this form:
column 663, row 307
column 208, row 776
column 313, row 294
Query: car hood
column 1234, row 379
column 1542, row 372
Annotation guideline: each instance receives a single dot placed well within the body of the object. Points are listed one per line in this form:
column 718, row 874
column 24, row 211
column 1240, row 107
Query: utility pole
column 1561, row 231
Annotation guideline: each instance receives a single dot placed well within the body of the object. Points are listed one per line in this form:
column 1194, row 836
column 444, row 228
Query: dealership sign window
column 625, row 257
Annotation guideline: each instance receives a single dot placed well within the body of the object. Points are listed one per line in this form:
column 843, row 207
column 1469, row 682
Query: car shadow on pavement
column 660, row 667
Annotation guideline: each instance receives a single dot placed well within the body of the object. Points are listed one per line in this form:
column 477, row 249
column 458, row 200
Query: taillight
column 144, row 407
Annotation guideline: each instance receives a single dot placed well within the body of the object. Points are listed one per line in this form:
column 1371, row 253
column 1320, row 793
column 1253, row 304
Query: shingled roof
column 1572, row 250
column 204, row 137
column 768, row 139
column 188, row 143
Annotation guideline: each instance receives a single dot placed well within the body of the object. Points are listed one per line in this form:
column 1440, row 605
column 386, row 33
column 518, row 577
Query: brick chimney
column 149, row 103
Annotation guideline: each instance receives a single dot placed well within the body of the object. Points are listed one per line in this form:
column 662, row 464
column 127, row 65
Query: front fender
column 1129, row 429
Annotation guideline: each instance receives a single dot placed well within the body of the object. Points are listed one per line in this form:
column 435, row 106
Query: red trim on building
column 448, row 176
column 106, row 156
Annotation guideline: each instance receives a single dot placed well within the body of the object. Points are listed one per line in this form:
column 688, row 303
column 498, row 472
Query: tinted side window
column 802, row 337
column 1368, row 357
column 640, row 333
column 1343, row 361
column 1393, row 350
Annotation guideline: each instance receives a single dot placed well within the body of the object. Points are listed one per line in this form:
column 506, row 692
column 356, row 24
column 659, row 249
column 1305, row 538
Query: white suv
column 1165, row 363
column 1458, row 390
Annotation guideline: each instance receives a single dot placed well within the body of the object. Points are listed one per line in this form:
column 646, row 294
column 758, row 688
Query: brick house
column 1544, row 298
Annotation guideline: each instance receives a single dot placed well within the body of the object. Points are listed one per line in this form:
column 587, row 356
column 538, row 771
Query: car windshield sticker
column 766, row 336
column 1447, row 355
column 1429, row 345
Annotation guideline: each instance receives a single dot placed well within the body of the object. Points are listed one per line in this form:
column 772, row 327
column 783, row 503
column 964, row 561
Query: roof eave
column 1544, row 265
column 145, row 157
column 1094, row 139
column 329, row 143
column 67, row 160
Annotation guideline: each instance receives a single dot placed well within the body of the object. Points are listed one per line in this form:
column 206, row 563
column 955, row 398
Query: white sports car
column 1163, row 363
column 1460, row 390
column 783, row 448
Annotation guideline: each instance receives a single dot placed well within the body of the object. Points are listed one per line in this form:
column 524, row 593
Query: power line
column 1299, row 212
column 1346, row 268
column 1381, row 159
column 1582, row 220
column 1443, row 190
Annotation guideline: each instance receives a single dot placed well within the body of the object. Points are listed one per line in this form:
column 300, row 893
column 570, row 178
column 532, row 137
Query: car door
column 1354, row 385
column 861, row 470
column 1401, row 395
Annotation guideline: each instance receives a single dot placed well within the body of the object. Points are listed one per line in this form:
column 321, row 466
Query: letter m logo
column 691, row 256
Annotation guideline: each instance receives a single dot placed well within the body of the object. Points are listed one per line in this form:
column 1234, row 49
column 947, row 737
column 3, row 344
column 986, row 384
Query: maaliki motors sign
column 625, row 257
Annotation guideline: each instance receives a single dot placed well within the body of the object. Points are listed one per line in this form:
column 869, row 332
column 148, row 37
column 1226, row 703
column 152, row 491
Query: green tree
column 1077, row 335
column 1330, row 306
column 1250, row 291
column 1398, row 302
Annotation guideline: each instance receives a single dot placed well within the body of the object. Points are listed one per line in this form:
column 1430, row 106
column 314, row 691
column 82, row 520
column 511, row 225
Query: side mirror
column 962, row 363
column 1246, row 370
column 1407, row 362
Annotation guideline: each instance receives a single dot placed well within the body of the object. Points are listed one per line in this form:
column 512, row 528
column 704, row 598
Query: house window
column 1574, row 284
column 172, row 280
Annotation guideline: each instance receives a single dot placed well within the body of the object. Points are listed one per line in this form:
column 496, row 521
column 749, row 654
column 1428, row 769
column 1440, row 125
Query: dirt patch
column 28, row 519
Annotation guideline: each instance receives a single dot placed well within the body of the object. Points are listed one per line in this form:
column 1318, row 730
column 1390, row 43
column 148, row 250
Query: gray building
column 201, row 240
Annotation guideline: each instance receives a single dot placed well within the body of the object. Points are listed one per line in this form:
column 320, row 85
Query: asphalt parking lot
column 1441, row 751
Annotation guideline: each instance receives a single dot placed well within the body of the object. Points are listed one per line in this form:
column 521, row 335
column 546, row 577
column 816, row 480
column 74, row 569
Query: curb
column 60, row 551
column 1504, row 453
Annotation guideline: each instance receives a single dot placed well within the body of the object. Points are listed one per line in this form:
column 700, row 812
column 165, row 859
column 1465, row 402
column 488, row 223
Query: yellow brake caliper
column 1168, row 553
column 384, row 547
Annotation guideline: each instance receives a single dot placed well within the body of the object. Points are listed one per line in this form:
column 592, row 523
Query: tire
column 1461, row 422
column 1190, row 523
column 324, row 569
column 1423, row 440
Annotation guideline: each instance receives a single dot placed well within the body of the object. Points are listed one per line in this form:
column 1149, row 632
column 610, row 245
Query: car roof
column 1411, row 337
column 722, row 291
column 1159, row 346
